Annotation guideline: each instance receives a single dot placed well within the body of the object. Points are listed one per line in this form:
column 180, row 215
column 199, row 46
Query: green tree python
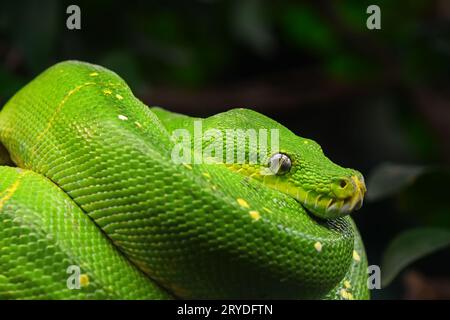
column 88, row 181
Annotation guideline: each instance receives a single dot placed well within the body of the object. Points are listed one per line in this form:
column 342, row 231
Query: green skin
column 95, row 186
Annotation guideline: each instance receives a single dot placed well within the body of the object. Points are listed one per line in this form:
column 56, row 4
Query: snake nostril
column 343, row 183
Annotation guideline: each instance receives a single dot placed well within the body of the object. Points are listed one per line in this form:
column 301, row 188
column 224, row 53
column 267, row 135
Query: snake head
column 300, row 169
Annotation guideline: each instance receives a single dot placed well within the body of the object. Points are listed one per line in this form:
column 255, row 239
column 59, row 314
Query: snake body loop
column 93, row 185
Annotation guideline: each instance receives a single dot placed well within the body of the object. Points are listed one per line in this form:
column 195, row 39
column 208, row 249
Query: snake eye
column 279, row 163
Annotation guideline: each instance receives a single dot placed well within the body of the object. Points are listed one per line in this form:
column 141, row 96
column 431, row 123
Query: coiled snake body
column 92, row 186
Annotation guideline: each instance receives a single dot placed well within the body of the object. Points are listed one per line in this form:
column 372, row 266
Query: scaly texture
column 99, row 189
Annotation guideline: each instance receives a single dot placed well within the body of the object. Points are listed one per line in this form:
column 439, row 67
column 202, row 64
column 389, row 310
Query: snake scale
column 88, row 180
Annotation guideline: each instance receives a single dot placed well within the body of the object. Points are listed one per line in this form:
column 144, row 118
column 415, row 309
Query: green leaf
column 388, row 179
column 410, row 246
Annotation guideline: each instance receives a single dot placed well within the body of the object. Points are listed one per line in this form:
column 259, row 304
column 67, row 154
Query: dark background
column 376, row 100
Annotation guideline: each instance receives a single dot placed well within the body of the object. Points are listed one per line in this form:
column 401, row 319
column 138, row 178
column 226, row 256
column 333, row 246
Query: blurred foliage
column 368, row 97
column 192, row 43
column 409, row 246
column 421, row 194
column 388, row 179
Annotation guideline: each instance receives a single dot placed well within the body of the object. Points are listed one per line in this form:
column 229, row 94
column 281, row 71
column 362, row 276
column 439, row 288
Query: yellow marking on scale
column 268, row 210
column 84, row 280
column 107, row 91
column 356, row 256
column 206, row 174
column 255, row 215
column 93, row 74
column 10, row 191
column 118, row 96
column 344, row 294
column 318, row 246
column 305, row 142
column 347, row 284
column 138, row 124
column 187, row 166
column 57, row 111
column 122, row 117
column 350, row 296
column 243, row 203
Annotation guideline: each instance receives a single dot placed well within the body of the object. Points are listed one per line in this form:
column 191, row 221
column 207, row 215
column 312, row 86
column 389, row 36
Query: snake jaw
column 333, row 205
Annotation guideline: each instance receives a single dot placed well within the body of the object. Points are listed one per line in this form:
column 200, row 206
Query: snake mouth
column 327, row 206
